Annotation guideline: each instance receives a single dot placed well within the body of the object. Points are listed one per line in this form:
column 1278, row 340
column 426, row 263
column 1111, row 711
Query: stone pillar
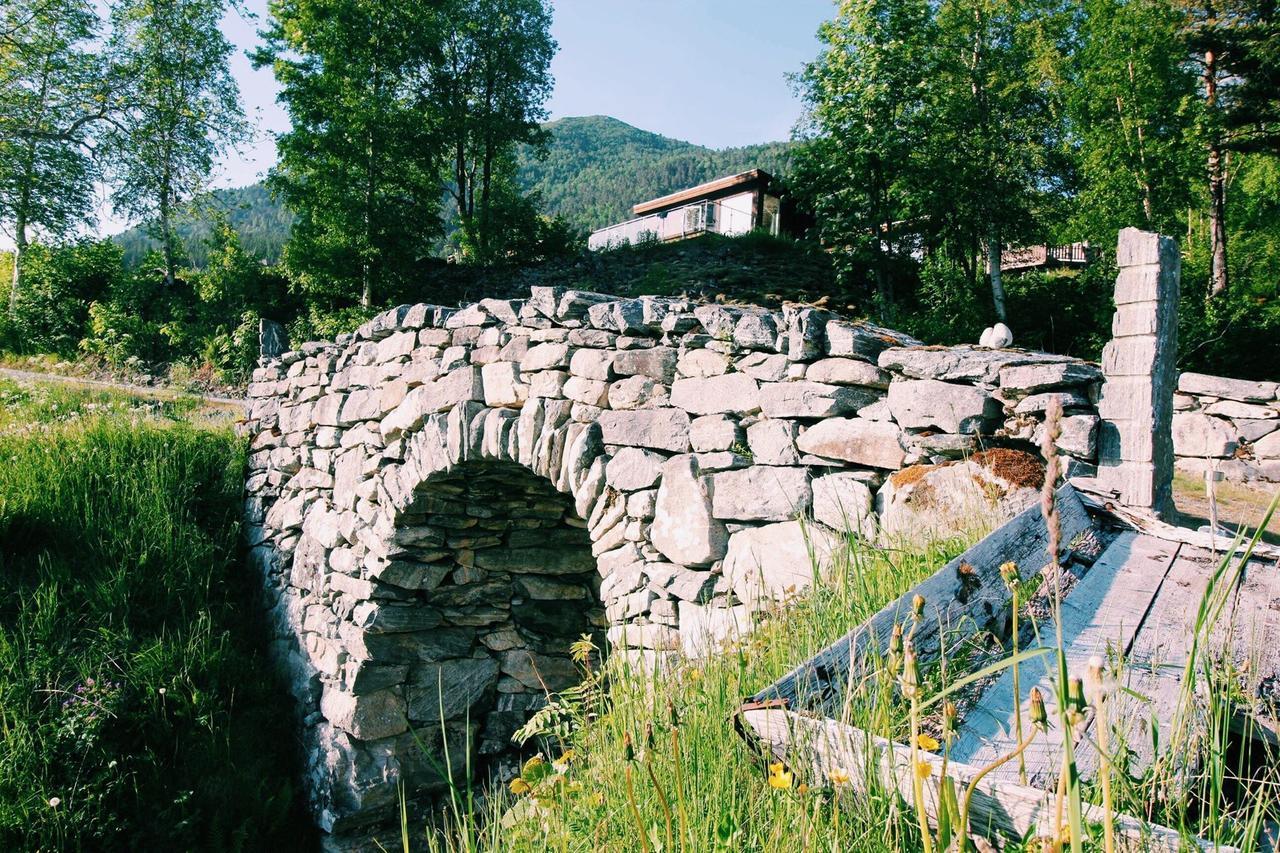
column 272, row 339
column 1135, row 447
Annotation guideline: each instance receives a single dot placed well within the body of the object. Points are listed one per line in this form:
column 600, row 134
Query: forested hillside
column 262, row 224
column 595, row 168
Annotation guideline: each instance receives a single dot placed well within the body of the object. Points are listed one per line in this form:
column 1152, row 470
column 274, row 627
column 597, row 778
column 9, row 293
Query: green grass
column 136, row 707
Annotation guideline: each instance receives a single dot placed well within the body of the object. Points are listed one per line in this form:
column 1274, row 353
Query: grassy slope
column 137, row 712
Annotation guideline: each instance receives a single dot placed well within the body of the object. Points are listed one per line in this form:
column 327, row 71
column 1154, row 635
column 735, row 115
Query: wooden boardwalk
column 1148, row 599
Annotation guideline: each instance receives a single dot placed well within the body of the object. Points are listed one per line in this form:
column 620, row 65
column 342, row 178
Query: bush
column 59, row 284
column 137, row 709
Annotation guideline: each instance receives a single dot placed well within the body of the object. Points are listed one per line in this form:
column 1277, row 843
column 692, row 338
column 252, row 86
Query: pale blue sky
column 711, row 72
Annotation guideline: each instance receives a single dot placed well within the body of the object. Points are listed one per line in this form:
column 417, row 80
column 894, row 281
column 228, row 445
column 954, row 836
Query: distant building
column 1042, row 257
column 730, row 206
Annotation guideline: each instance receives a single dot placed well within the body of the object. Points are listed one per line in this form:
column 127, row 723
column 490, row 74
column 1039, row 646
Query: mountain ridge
column 594, row 169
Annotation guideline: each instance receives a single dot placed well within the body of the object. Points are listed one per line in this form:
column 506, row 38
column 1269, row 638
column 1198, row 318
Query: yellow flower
column 519, row 787
column 802, row 789
column 925, row 742
column 924, row 769
column 779, row 777
column 839, row 777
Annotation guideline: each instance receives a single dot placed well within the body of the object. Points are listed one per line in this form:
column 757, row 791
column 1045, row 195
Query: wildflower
column 695, row 674
column 917, row 605
column 926, row 742
column 1095, row 685
column 54, row 802
column 1075, row 702
column 923, row 770
column 162, row 691
column 839, row 777
column 802, row 789
column 910, row 681
column 1039, row 716
column 949, row 715
column 519, row 787
column 1009, row 573
column 779, row 776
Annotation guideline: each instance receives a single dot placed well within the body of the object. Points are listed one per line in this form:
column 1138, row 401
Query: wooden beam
column 1101, row 614
column 1000, row 811
column 964, row 597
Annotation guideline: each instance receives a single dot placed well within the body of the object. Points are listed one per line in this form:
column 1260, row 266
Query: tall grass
column 722, row 795
column 136, row 708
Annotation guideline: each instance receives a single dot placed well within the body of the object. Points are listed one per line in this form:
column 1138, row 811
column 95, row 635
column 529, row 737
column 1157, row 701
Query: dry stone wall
column 441, row 502
column 1230, row 426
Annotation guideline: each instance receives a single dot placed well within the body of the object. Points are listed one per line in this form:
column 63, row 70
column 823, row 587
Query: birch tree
column 178, row 110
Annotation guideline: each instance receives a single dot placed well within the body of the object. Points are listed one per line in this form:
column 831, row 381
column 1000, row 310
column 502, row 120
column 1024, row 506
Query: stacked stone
column 1135, row 453
column 1231, row 426
column 427, row 495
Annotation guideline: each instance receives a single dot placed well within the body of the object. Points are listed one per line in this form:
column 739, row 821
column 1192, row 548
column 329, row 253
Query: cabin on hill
column 730, row 206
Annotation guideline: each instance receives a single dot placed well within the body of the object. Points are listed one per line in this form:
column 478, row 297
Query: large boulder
column 930, row 404
column 683, row 527
column 775, row 561
column 973, row 495
column 1197, row 434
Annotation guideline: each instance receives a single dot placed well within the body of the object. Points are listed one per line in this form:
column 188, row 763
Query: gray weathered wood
column 1100, row 616
column 1157, row 659
column 1099, row 499
column 1000, row 810
column 964, row 597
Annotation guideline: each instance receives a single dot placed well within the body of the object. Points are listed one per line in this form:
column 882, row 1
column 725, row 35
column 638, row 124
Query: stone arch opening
column 515, row 584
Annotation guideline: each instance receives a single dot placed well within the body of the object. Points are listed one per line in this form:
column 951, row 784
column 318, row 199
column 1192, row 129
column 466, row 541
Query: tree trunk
column 166, row 239
column 997, row 280
column 19, row 251
column 1217, row 187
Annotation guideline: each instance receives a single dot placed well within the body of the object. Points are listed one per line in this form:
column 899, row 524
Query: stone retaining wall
column 440, row 503
column 1227, row 425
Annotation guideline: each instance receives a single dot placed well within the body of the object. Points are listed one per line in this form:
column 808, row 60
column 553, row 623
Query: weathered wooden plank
column 1099, row 499
column 1252, row 640
column 1100, row 616
column 1000, row 810
column 1157, row 658
column 966, row 596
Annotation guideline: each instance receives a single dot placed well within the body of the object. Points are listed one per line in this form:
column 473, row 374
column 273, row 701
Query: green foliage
column 488, row 93
column 261, row 224
column 177, row 109
column 59, row 284
column 360, row 163
column 1129, row 100
column 50, row 94
column 137, row 709
column 864, row 96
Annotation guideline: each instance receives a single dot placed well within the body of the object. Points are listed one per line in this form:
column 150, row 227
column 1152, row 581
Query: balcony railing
column 700, row 217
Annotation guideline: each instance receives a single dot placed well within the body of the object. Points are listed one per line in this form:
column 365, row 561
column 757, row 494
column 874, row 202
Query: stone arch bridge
column 441, row 502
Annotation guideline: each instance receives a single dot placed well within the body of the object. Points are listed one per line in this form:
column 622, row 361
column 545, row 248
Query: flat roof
column 748, row 177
